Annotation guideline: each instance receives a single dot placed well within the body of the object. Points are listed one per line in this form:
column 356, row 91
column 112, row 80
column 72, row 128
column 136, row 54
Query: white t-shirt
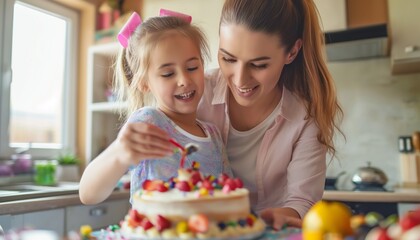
column 243, row 149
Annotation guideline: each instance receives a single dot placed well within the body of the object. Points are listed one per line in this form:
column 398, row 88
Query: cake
column 191, row 205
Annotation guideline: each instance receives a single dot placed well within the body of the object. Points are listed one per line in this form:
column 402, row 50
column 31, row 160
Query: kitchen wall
column 378, row 107
column 205, row 14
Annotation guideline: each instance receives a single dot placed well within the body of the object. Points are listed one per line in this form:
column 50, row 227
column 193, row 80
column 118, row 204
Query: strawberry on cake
column 191, row 205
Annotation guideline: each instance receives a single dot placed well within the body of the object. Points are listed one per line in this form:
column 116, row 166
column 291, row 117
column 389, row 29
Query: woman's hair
column 133, row 62
column 307, row 76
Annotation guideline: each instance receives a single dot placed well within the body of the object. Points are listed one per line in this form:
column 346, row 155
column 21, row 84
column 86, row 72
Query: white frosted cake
column 191, row 205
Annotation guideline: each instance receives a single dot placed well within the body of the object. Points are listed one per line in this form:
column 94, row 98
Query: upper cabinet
column 354, row 29
column 404, row 20
column 362, row 13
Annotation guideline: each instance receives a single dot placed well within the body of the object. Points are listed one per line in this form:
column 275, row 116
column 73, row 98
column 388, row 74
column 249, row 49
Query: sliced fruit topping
column 250, row 221
column 162, row 223
column 195, row 177
column 135, row 216
column 183, row 186
column 410, row 220
column 162, row 188
column 239, row 183
column 231, row 183
column 146, row 224
column 207, row 185
column 198, row 223
column 222, row 178
column 154, row 185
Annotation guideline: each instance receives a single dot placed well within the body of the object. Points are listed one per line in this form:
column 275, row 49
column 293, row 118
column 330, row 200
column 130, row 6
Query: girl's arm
column 136, row 141
column 102, row 175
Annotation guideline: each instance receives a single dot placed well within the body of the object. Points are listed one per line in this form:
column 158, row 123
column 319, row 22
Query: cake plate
column 106, row 235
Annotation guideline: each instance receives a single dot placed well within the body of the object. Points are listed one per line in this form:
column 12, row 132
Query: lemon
column 326, row 218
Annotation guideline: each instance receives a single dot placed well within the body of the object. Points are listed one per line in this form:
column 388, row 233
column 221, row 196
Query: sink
column 30, row 190
column 6, row 192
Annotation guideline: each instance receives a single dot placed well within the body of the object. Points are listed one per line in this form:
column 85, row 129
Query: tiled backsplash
column 378, row 107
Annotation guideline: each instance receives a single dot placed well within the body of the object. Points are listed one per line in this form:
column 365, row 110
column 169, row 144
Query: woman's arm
column 279, row 218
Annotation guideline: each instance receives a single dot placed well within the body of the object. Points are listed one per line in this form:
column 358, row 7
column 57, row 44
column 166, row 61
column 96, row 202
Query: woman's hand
column 278, row 218
column 138, row 141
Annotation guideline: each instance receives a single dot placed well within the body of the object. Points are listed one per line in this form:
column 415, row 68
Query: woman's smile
column 246, row 92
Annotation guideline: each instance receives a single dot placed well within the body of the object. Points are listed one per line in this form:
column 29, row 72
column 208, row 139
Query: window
column 38, row 78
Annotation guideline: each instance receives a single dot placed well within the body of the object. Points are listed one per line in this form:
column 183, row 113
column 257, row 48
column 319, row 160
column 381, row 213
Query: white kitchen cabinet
column 404, row 22
column 5, row 222
column 102, row 118
column 46, row 220
column 97, row 216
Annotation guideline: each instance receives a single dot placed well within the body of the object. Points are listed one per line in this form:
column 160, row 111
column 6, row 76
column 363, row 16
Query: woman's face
column 176, row 74
column 251, row 63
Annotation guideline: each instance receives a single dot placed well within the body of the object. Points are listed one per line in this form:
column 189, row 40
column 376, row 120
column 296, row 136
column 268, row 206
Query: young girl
column 163, row 58
column 275, row 103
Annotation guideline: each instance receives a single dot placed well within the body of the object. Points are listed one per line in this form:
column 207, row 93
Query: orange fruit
column 326, row 218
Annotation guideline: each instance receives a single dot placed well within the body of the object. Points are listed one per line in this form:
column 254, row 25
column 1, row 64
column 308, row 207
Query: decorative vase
column 68, row 173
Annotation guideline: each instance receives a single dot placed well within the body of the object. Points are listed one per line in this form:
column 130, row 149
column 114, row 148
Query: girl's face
column 176, row 74
column 251, row 63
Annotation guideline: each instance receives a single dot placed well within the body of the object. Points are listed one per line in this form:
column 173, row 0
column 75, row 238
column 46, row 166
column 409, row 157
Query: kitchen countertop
column 69, row 197
column 51, row 200
column 401, row 195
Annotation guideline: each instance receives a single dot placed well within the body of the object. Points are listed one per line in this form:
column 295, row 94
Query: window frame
column 70, row 82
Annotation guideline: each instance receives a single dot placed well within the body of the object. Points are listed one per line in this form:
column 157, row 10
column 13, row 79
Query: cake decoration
column 185, row 151
column 191, row 205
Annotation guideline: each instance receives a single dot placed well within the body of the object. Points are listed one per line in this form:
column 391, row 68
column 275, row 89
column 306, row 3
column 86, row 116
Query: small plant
column 68, row 159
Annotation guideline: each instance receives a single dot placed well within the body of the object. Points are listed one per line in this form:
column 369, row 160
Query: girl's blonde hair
column 307, row 76
column 133, row 62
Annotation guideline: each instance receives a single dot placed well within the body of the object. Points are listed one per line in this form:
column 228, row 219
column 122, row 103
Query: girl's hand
column 138, row 141
column 281, row 217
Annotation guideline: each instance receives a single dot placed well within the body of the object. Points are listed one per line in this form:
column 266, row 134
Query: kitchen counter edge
column 403, row 195
column 52, row 202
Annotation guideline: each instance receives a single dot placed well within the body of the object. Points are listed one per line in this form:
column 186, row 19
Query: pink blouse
column 290, row 167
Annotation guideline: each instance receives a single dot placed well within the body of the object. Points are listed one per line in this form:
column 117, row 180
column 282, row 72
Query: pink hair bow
column 165, row 12
column 129, row 27
column 135, row 20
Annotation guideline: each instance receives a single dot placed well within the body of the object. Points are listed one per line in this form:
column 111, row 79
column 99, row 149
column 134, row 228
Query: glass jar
column 22, row 163
column 45, row 172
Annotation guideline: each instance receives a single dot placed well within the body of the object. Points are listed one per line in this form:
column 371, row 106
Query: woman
column 275, row 103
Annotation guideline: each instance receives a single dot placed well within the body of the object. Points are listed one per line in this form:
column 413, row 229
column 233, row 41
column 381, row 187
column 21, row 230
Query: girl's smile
column 186, row 96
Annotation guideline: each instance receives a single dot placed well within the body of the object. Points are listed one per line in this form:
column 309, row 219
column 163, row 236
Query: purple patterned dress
column 211, row 154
